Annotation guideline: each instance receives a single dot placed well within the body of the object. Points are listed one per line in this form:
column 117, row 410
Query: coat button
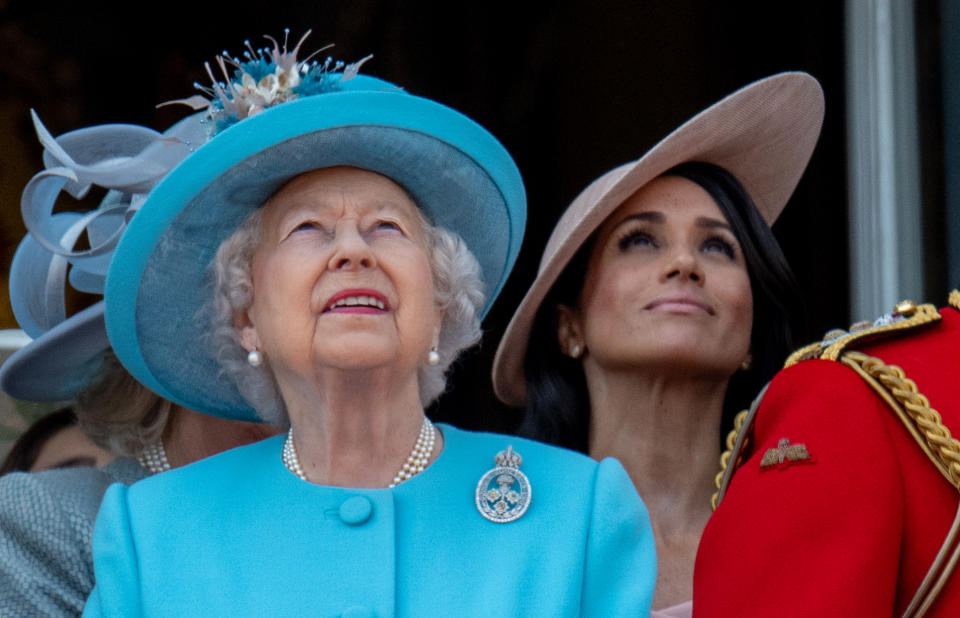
column 356, row 510
column 358, row 611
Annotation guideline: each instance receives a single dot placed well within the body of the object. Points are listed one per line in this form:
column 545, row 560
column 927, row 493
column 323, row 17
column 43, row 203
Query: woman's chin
column 359, row 359
column 688, row 358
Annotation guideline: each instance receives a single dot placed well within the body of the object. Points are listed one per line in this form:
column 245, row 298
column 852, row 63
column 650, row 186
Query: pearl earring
column 575, row 351
column 254, row 358
column 747, row 363
column 433, row 357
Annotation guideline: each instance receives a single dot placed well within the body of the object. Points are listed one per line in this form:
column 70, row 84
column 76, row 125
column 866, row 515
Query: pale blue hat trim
column 60, row 362
column 458, row 173
column 66, row 354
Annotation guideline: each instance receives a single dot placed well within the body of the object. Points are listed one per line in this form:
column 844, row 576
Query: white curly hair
column 458, row 291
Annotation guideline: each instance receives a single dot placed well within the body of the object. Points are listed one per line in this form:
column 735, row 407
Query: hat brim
column 459, row 174
column 61, row 362
column 763, row 134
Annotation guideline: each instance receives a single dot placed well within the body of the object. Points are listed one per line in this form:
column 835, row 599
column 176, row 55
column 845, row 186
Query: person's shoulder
column 483, row 442
column 552, row 469
column 858, row 361
column 884, row 360
column 209, row 473
column 52, row 499
column 77, row 485
column 849, row 383
column 569, row 488
column 908, row 325
column 46, row 526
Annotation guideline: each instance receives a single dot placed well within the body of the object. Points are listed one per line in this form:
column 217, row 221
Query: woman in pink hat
column 663, row 303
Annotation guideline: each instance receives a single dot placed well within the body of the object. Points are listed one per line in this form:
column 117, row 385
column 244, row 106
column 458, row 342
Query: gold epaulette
column 919, row 418
column 906, row 316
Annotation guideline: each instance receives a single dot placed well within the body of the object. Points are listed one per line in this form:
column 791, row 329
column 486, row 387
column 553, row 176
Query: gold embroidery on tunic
column 784, row 453
column 907, row 316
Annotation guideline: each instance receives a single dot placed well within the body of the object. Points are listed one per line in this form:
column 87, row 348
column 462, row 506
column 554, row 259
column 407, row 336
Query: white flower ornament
column 267, row 77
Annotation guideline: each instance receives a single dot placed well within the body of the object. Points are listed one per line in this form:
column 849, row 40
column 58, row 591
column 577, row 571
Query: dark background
column 571, row 88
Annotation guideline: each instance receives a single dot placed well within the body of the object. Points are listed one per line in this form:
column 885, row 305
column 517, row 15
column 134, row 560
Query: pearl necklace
column 415, row 464
column 154, row 458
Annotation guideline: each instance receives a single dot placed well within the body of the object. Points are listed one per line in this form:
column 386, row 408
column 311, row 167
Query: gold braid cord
column 906, row 317
column 926, row 426
column 937, row 442
column 737, row 441
column 954, row 299
column 725, row 457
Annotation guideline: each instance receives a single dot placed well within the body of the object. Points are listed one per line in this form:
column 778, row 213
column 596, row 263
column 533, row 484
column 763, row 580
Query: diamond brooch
column 503, row 494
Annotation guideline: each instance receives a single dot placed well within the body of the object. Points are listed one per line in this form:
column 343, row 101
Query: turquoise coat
column 239, row 535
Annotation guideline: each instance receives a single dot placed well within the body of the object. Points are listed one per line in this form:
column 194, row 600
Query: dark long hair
column 24, row 452
column 558, row 404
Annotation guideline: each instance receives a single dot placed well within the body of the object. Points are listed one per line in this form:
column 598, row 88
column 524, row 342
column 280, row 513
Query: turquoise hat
column 158, row 282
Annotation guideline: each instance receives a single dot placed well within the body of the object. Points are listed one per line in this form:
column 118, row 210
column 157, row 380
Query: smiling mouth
column 679, row 305
column 356, row 301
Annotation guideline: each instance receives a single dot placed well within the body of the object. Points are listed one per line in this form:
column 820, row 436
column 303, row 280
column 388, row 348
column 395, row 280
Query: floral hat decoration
column 270, row 118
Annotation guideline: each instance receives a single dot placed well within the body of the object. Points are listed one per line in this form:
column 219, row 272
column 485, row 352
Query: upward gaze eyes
column 638, row 238
column 381, row 226
column 388, row 226
column 718, row 243
column 306, row 226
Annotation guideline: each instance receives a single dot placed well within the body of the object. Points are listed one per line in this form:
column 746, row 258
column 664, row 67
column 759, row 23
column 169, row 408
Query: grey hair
column 457, row 288
column 118, row 413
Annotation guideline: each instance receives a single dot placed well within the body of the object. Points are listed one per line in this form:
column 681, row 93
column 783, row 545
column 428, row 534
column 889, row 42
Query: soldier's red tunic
column 852, row 529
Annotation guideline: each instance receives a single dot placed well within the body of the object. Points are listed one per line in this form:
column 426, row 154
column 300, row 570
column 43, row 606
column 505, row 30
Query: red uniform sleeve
column 809, row 537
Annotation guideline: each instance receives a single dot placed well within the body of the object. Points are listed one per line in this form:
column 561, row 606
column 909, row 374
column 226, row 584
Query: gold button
column 905, row 308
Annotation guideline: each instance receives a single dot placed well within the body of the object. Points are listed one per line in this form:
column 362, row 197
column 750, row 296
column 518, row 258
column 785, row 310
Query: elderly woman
column 341, row 293
column 46, row 518
column 659, row 284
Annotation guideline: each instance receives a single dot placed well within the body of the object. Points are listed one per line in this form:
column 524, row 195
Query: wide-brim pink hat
column 763, row 134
